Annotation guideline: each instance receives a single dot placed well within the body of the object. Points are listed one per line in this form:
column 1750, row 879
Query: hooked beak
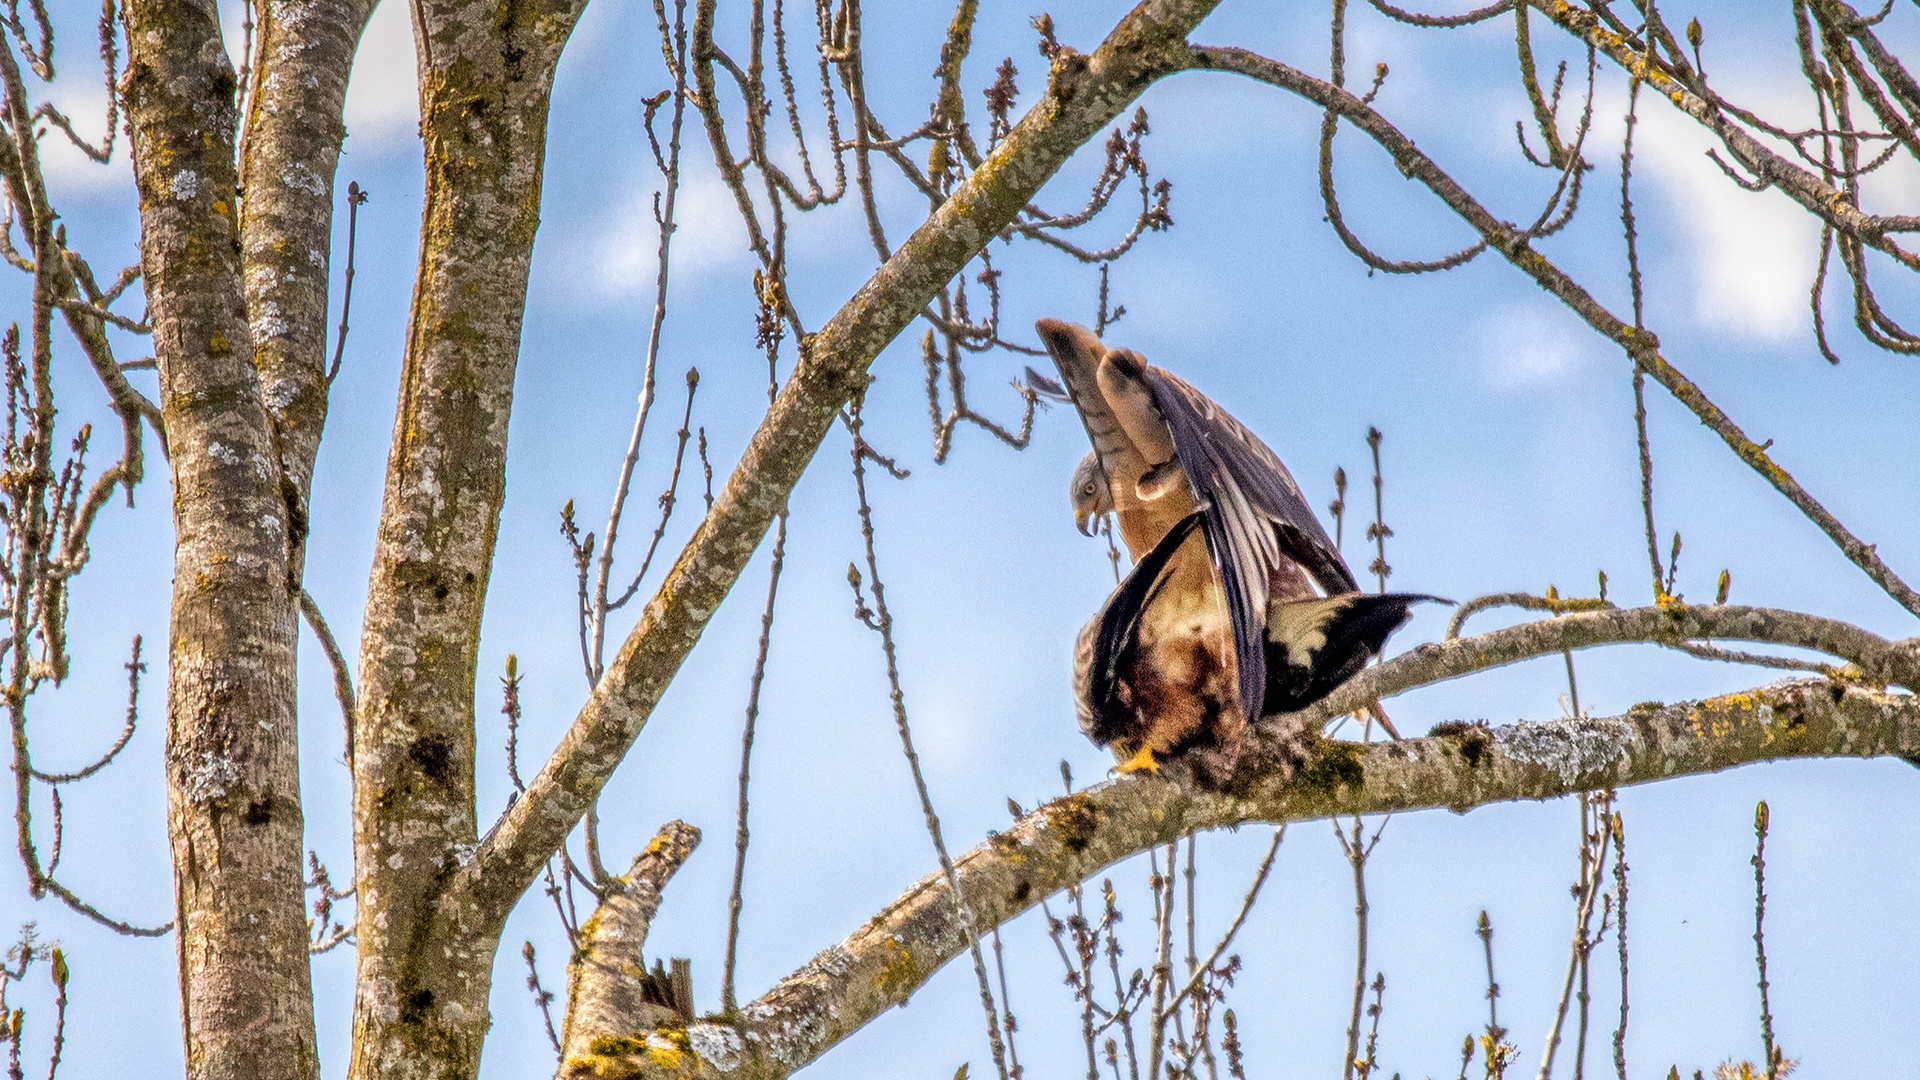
column 1084, row 521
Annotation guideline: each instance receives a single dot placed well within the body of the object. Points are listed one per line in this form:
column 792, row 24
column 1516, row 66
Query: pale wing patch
column 1300, row 627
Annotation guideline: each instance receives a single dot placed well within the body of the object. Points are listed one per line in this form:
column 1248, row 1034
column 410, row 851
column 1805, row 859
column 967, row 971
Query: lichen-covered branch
column 607, row 989
column 1459, row 767
column 1085, row 92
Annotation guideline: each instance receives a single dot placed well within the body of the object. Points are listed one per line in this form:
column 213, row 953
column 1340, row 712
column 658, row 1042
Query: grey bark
column 1066, row 841
column 234, row 817
column 607, row 976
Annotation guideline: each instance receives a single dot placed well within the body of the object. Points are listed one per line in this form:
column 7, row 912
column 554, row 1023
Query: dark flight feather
column 1117, row 632
column 1253, row 514
column 1047, row 386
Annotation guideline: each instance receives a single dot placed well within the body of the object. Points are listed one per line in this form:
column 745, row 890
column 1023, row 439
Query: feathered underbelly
column 1181, row 688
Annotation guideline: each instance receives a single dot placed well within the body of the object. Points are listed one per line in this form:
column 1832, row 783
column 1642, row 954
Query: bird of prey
column 1238, row 605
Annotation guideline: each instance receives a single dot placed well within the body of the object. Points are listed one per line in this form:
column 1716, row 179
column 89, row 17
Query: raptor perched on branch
column 1238, row 604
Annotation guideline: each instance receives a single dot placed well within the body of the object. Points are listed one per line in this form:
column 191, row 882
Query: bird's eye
column 1087, row 491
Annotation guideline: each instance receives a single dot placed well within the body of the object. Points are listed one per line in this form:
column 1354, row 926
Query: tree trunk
column 232, row 749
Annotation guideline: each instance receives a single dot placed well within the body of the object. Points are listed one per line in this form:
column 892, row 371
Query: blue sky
column 1509, row 460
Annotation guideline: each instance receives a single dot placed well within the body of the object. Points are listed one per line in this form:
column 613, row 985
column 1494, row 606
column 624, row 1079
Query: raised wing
column 1255, row 519
column 1076, row 353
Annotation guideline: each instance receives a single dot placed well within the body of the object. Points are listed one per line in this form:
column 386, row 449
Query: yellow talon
column 1140, row 762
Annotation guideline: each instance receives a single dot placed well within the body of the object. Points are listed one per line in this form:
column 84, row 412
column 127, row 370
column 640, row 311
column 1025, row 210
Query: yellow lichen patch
column 617, row 1045
column 609, row 1057
column 898, row 973
column 623, row 1057
column 1709, row 723
column 603, row 1068
column 218, row 346
column 1074, row 817
column 1745, row 700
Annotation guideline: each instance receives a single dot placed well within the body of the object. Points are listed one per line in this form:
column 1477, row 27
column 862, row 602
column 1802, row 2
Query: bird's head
column 1090, row 495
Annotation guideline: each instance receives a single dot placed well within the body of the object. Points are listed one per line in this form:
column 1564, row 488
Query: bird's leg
column 1374, row 710
column 1140, row 762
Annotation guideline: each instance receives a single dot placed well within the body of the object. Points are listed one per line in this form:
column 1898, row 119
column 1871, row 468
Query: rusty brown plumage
column 1256, row 614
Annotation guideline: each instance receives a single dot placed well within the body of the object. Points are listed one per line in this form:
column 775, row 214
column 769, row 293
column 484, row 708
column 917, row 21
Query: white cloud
column 1752, row 252
column 1532, row 345
column 383, row 95
column 82, row 98
column 620, row 259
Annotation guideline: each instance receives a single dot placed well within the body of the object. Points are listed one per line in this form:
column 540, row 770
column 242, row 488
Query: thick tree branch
column 1512, row 242
column 1084, row 94
column 606, row 988
column 289, row 154
column 486, row 77
column 1071, row 839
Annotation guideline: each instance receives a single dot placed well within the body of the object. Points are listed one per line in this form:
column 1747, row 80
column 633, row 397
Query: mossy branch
column 1066, row 841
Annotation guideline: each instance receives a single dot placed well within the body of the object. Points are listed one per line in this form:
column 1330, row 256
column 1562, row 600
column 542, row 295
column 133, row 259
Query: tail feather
column 1313, row 646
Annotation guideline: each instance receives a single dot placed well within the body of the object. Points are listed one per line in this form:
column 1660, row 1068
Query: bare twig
column 1357, row 851
column 1378, row 531
column 542, row 997
column 1554, row 603
column 342, row 675
column 135, row 667
column 510, row 707
column 883, row 624
column 1595, row 840
column 735, row 902
column 665, row 204
column 1620, row 939
column 355, row 197
column 1768, row 1048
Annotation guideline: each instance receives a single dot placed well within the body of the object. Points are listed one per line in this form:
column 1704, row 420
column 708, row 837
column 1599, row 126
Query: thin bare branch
column 1639, row 344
